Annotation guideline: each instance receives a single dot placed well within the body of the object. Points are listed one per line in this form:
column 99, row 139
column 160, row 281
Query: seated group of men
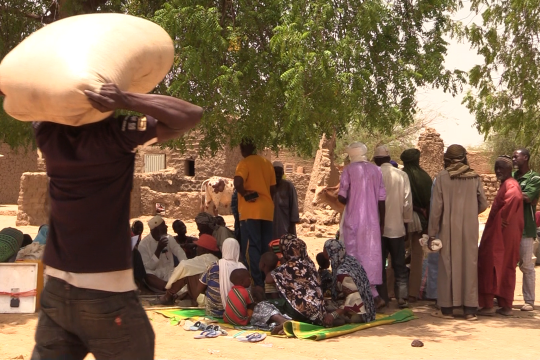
column 160, row 259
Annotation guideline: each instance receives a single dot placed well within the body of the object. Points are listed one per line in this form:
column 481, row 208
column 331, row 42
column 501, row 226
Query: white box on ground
column 21, row 276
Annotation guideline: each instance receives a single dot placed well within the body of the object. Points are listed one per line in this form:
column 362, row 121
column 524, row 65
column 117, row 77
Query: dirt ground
column 488, row 338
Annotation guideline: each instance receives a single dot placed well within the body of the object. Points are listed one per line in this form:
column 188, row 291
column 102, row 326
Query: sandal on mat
column 207, row 334
column 440, row 315
column 253, row 337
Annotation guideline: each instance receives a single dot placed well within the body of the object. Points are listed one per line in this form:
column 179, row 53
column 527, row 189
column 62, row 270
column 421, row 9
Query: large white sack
column 44, row 77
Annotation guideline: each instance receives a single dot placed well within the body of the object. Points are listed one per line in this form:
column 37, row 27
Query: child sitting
column 239, row 301
column 269, row 261
column 325, row 274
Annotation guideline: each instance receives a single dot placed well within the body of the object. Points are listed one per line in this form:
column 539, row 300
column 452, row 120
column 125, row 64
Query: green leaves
column 293, row 70
column 285, row 72
column 506, row 97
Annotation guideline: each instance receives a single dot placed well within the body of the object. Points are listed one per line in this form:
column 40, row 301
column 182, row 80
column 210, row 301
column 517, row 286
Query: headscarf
column 227, row 264
column 343, row 264
column 456, row 155
column 10, row 243
column 206, row 219
column 419, row 179
column 41, row 237
column 357, row 152
column 298, row 280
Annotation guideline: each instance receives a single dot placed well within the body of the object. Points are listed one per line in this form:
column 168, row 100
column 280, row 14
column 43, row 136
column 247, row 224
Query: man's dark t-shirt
column 90, row 171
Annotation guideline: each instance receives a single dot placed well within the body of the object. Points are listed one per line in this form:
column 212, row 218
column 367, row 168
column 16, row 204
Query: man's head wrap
column 206, row 219
column 410, row 156
column 357, row 152
column 455, row 153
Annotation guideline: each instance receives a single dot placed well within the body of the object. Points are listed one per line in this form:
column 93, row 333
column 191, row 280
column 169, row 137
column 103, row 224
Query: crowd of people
column 388, row 211
column 260, row 273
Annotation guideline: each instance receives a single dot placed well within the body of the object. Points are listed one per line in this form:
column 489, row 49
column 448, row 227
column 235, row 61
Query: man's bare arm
column 175, row 116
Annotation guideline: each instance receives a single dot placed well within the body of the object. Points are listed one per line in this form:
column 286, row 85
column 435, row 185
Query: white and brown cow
column 328, row 195
column 216, row 191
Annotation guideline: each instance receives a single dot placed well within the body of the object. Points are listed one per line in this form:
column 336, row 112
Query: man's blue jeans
column 256, row 235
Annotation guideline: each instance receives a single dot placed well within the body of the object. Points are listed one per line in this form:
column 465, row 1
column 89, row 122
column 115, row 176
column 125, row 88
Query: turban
column 357, row 152
column 410, row 156
column 206, row 219
column 278, row 164
column 455, row 152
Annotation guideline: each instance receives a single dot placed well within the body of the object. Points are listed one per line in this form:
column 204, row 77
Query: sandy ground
column 488, row 338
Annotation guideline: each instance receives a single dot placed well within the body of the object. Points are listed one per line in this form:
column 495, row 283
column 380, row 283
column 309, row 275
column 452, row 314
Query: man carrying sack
column 89, row 303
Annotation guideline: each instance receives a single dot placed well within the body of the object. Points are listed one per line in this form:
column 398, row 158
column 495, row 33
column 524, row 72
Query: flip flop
column 471, row 317
column 199, row 325
column 440, row 315
column 207, row 334
column 188, row 324
column 219, row 330
column 253, row 337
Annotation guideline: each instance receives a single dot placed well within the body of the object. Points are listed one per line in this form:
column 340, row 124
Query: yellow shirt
column 258, row 174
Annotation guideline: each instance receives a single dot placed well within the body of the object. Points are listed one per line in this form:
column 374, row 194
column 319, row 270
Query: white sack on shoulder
column 44, row 77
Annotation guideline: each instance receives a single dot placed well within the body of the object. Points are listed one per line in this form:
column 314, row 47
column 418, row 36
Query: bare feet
column 379, row 303
column 278, row 330
column 163, row 300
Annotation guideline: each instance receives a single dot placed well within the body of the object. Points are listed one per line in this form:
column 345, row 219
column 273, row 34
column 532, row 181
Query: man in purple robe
column 363, row 193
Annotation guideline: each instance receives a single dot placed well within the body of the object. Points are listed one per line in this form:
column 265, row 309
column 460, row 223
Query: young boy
column 325, row 274
column 240, row 304
column 269, row 261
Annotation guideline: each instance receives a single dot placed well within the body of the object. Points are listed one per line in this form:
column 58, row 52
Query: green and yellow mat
column 298, row 329
column 313, row 332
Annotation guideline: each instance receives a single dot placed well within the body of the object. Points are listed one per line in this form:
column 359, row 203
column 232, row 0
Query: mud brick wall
column 431, row 147
column 179, row 205
column 491, row 186
column 12, row 165
column 301, row 183
column 324, row 172
column 33, row 202
column 481, row 162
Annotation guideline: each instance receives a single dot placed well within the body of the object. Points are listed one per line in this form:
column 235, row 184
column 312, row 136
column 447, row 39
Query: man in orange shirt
column 255, row 182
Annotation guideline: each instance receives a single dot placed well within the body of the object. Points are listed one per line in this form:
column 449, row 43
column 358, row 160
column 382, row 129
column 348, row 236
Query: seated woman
column 216, row 283
column 298, row 282
column 351, row 289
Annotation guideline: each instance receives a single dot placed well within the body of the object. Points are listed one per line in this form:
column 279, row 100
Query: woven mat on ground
column 314, row 332
column 177, row 315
